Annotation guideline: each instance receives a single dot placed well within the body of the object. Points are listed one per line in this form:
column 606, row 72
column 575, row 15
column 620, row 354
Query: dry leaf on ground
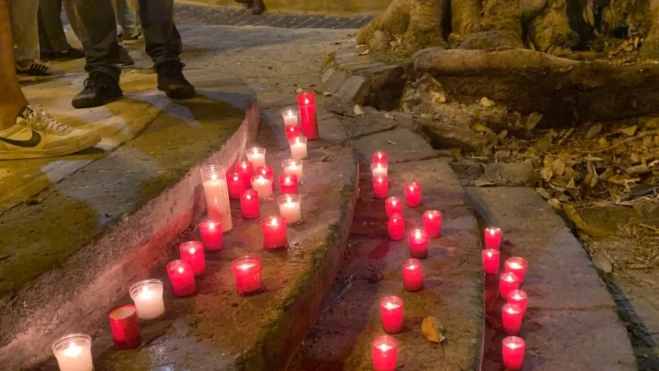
column 433, row 329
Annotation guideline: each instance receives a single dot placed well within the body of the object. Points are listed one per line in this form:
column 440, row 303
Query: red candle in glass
column 491, row 261
column 391, row 311
column 507, row 282
column 396, row 227
column 418, row 241
column 518, row 266
column 211, row 235
column 412, row 275
column 492, row 237
column 192, row 252
column 513, row 352
column 288, row 184
column 384, row 351
column 292, row 132
column 413, row 194
column 511, row 315
column 518, row 297
column 268, row 173
column 125, row 327
column 306, row 102
column 380, row 186
column 235, row 184
column 247, row 272
column 392, row 205
column 274, row 233
column 380, row 157
column 246, row 171
column 249, row 204
column 432, row 223
column 182, row 278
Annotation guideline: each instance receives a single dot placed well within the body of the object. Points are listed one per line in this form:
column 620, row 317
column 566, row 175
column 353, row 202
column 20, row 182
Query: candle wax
column 396, row 227
column 518, row 266
column 492, row 237
column 380, row 186
column 149, row 302
column 288, row 184
column 75, row 358
column 518, row 297
column 294, row 168
column 513, row 352
column 432, row 223
column 507, row 282
column 393, row 205
column 491, row 261
column 290, row 118
column 290, row 210
column 262, row 186
column 217, row 202
column 182, row 278
column 391, row 312
column 412, row 275
column 418, row 242
column 298, row 148
column 378, row 169
column 413, row 194
column 256, row 156
column 125, row 327
column 192, row 252
column 249, row 204
column 211, row 235
column 267, row 172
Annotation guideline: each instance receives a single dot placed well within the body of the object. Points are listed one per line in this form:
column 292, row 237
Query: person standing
column 162, row 43
column 130, row 34
column 52, row 40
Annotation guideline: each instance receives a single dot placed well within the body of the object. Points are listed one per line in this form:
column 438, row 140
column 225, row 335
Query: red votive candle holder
column 396, row 227
column 247, row 272
column 491, row 261
column 306, row 102
column 211, row 235
column 267, row 172
column 125, row 327
column 518, row 297
column 292, row 132
column 380, row 186
column 391, row 311
column 246, row 171
column 384, row 351
column 288, row 184
column 513, row 352
column 518, row 266
column 511, row 316
column 393, row 205
column 235, row 185
column 492, row 238
column 192, row 252
column 432, row 223
column 412, row 275
column 413, row 194
column 249, row 204
column 274, row 233
column 182, row 278
column 507, row 283
column 380, row 157
column 418, row 241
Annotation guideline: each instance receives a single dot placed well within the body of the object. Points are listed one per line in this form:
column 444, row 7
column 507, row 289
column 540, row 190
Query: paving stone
column 335, row 80
column 353, row 89
column 407, row 146
column 370, row 123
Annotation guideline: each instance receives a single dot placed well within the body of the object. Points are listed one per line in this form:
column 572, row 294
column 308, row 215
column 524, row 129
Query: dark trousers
column 51, row 30
column 163, row 42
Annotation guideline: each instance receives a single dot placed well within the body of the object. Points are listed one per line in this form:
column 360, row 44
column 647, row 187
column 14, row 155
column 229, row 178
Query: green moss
column 329, row 59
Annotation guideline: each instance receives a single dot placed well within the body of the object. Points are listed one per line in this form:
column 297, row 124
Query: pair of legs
column 127, row 20
column 52, row 40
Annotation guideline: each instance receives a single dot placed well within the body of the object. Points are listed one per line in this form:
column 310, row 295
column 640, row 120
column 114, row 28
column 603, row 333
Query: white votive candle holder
column 216, row 191
column 379, row 169
column 256, row 156
column 290, row 116
column 147, row 296
column 73, row 352
column 298, row 147
column 292, row 166
column 262, row 186
column 289, row 208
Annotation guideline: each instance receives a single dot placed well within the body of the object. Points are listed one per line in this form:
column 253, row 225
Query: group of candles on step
column 73, row 352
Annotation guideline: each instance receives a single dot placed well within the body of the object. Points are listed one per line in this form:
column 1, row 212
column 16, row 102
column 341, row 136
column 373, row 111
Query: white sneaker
column 36, row 134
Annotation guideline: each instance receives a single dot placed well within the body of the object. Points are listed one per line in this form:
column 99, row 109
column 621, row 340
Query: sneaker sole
column 133, row 42
column 180, row 93
column 86, row 142
column 81, row 103
column 30, row 78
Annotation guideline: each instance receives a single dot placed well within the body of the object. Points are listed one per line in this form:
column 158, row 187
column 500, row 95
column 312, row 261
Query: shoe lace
column 39, row 119
column 94, row 80
column 172, row 68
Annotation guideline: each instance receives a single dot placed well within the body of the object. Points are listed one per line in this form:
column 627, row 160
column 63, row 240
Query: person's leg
column 46, row 52
column 74, row 18
column 12, row 100
column 126, row 18
column 25, row 28
column 51, row 11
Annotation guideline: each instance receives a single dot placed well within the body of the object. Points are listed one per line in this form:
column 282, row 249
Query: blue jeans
column 126, row 18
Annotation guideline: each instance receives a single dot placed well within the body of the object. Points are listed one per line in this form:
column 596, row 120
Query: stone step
column 316, row 6
column 70, row 256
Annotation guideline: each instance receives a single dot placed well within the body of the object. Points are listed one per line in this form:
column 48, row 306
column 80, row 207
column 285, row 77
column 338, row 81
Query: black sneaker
column 172, row 81
column 69, row 54
column 100, row 89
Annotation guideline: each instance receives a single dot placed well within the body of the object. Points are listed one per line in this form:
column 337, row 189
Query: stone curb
column 321, row 6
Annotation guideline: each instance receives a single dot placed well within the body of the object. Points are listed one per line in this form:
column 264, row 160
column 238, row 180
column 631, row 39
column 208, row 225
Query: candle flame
column 512, row 310
column 288, row 199
column 260, row 179
column 489, row 254
column 411, row 188
column 236, row 178
column 513, row 346
column 274, row 222
column 213, row 176
column 288, row 180
column 289, row 113
column 192, row 250
column 391, row 305
column 516, row 296
column 515, row 265
column 244, row 165
column 181, row 270
column 73, row 351
column 385, row 347
column 508, row 278
column 380, row 180
column 246, row 266
column 393, row 202
column 211, row 226
column 297, row 140
column 248, row 196
column 411, row 267
column 429, row 216
column 380, row 155
column 492, row 231
column 417, row 234
column 306, row 100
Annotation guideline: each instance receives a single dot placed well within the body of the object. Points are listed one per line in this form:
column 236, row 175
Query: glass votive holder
column 247, row 273
column 290, row 208
column 216, row 193
column 73, row 352
column 256, row 155
column 384, row 351
column 148, row 300
column 262, row 186
column 290, row 115
column 298, row 147
column 379, row 169
column 294, row 167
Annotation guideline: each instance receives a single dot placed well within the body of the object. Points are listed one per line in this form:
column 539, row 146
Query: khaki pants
column 25, row 29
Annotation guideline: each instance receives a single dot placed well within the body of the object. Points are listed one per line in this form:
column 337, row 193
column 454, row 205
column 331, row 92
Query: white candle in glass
column 263, row 186
column 147, row 296
column 289, row 208
column 290, row 117
column 378, row 169
column 256, row 156
column 299, row 148
column 73, row 353
column 217, row 195
column 293, row 167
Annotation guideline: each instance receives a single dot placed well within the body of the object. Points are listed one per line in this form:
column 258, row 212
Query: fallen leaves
column 433, row 329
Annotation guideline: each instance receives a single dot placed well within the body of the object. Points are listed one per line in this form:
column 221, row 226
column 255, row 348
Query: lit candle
column 288, row 184
column 211, row 235
column 396, row 227
column 292, row 132
column 289, row 208
column 246, row 171
column 507, row 282
column 73, row 352
column 147, row 296
column 256, row 156
column 293, row 167
column 513, row 352
column 380, row 157
column 182, row 278
column 379, row 168
column 492, row 237
column 306, row 102
column 518, row 266
column 262, row 186
column 192, row 252
column 491, row 261
column 267, row 172
column 412, row 275
column 125, row 327
column 432, row 223
column 391, row 311
column 518, row 297
column 217, row 195
column 511, row 315
column 247, row 272
column 236, row 185
column 275, row 235
column 413, row 194
column 392, row 205
column 249, row 204
column 298, row 147
column 290, row 116
column 380, row 186
column 418, row 241
column 384, row 351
